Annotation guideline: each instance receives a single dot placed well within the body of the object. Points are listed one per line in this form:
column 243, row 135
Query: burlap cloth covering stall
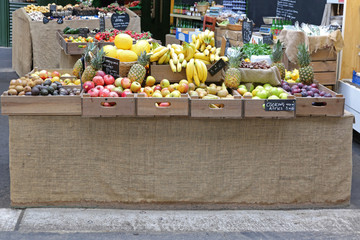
column 180, row 162
column 271, row 76
column 292, row 39
column 35, row 44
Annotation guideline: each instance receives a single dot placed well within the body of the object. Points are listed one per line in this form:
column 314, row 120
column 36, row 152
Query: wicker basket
column 124, row 68
column 234, row 27
column 202, row 8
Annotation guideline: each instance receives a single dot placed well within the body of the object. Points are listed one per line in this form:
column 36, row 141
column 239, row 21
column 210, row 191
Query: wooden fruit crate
column 71, row 48
column 160, row 72
column 324, row 106
column 230, row 108
column 254, row 108
column 41, row 105
column 324, row 63
column 123, row 106
column 148, row 106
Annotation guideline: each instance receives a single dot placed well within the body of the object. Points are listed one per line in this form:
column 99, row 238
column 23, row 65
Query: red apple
column 157, row 87
column 113, row 94
column 99, row 87
column 106, row 104
column 104, row 93
column 183, row 87
column 55, row 74
column 88, row 85
column 94, row 92
column 98, row 80
column 149, row 92
column 164, row 104
column 43, row 74
column 118, row 90
column 165, row 91
column 126, row 92
column 135, row 87
column 118, row 82
column 171, row 88
column 110, row 87
column 150, row 81
column 125, row 83
column 100, row 73
column 108, row 79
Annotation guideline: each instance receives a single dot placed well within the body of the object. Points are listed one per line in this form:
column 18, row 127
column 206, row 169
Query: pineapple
column 233, row 74
column 138, row 71
column 95, row 65
column 306, row 71
column 88, row 55
column 276, row 57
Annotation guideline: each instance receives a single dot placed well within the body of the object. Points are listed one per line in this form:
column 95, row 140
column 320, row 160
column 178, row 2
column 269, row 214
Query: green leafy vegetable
column 250, row 49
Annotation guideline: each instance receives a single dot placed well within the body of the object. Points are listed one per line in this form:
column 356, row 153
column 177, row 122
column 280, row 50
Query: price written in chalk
column 214, row 69
column 111, row 66
column 120, row 21
column 247, row 30
column 280, row 105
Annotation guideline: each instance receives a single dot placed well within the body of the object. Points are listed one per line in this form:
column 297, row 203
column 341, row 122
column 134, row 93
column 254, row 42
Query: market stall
column 35, row 43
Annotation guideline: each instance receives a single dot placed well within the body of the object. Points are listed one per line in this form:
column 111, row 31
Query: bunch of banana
column 196, row 71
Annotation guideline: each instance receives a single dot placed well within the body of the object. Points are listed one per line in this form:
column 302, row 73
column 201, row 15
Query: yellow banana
column 155, row 57
column 211, row 34
column 168, row 46
column 193, row 37
column 167, row 59
column 217, row 58
column 172, row 51
column 212, row 42
column 179, row 67
column 181, row 57
column 213, row 50
column 190, row 53
column 178, row 51
column 212, row 57
column 218, row 50
column 202, row 48
column 204, row 61
column 199, row 69
column 184, row 63
column 201, row 37
column 158, row 49
column 172, row 65
column 175, row 45
column 190, row 70
column 205, row 71
column 197, row 44
column 193, row 46
column 174, row 56
column 208, row 47
column 196, row 78
column 224, row 58
column 206, row 52
column 201, row 56
column 163, row 58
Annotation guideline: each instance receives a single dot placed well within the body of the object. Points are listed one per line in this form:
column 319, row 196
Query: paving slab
column 108, row 220
column 8, row 219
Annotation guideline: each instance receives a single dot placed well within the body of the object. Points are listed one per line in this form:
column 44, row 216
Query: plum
column 316, row 95
column 327, row 95
column 322, row 93
column 300, row 85
column 310, row 93
column 313, row 85
column 304, row 94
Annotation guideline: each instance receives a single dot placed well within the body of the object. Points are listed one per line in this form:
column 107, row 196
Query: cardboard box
column 234, row 35
column 234, row 43
column 171, row 39
column 185, row 34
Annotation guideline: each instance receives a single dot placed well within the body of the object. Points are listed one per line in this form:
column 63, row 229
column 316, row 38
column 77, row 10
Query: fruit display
column 276, row 58
column 292, row 76
column 79, row 39
column 113, row 8
column 32, row 8
column 164, row 89
column 305, row 90
column 55, row 76
column 137, row 71
column 109, row 36
column 265, row 91
column 306, row 71
column 210, row 92
column 254, row 65
column 94, row 66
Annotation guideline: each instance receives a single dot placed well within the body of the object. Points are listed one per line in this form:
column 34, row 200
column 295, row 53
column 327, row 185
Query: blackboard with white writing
column 280, row 105
column 120, row 21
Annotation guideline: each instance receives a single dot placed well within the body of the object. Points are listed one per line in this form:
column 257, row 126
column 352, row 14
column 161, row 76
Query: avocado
column 50, row 89
column 44, row 92
column 35, row 91
column 47, row 82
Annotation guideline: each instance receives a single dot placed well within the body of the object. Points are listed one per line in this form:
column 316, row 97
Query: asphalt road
column 6, row 75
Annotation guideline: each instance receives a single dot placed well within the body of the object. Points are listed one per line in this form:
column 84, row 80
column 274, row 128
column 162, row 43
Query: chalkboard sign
column 45, row 20
column 111, row 66
column 102, row 23
column 52, row 8
column 307, row 11
column 120, row 21
column 214, row 69
column 83, row 32
column 268, row 39
column 247, row 30
column 280, row 105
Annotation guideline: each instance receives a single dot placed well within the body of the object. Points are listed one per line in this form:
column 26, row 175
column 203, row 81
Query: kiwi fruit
column 24, row 82
column 31, row 84
column 18, row 82
column 12, row 92
column 21, row 93
column 27, row 89
column 5, row 93
column 19, row 88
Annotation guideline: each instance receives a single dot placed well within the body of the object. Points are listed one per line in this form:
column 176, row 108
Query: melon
column 110, row 51
column 118, row 51
column 123, row 41
column 140, row 47
column 128, row 56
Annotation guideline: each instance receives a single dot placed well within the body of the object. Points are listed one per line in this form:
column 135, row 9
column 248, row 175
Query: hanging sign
column 120, row 21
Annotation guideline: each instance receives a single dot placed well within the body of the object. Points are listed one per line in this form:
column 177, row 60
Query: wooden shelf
column 185, row 16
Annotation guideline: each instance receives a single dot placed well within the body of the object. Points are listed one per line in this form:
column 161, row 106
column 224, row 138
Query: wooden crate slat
column 325, row 78
column 324, row 66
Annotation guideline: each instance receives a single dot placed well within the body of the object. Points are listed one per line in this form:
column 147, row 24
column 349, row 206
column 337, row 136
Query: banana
column 204, row 61
column 163, row 57
column 202, row 48
column 155, row 57
column 181, row 57
column 168, row 46
column 218, row 50
column 172, row 51
column 193, row 46
column 178, row 51
column 190, row 70
column 217, row 58
column 196, row 78
column 158, row 49
column 211, row 34
column 201, row 56
column 199, row 69
column 205, row 71
column 197, row 43
column 212, row 57
column 179, row 67
column 172, row 65
column 208, row 47
column 213, row 50
column 212, row 42
column 190, row 53
column 201, row 37
column 206, row 52
column 167, row 58
column 224, row 58
column 193, row 37
column 174, row 56
column 184, row 63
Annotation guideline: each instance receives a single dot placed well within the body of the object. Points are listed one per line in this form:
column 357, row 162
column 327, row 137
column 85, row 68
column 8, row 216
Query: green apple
column 263, row 94
column 280, row 91
column 267, row 86
column 157, row 94
column 242, row 91
column 254, row 92
column 243, row 86
column 164, row 83
column 259, row 87
column 283, row 96
column 247, row 94
column 274, row 91
column 256, row 97
column 175, row 93
column 273, row 97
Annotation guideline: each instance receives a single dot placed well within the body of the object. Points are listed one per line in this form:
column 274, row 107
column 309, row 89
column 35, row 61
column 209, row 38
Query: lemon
column 123, row 41
column 77, row 82
column 110, row 51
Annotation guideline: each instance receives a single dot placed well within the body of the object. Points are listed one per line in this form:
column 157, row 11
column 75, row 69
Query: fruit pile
column 292, row 76
column 55, row 76
column 209, row 92
column 113, row 8
column 79, row 39
column 165, row 89
column 109, row 36
column 265, row 91
column 305, row 90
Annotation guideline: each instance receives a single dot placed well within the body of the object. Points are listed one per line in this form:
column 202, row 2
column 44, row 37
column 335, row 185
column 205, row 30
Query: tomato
column 98, row 36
